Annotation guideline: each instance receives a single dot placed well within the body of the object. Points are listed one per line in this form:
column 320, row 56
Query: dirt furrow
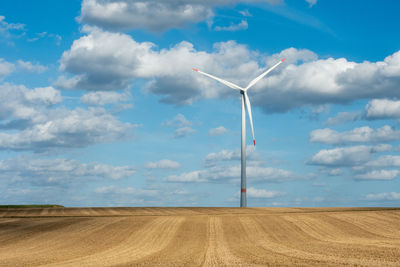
column 69, row 238
column 187, row 248
column 218, row 253
column 389, row 227
column 263, row 239
column 146, row 241
column 313, row 234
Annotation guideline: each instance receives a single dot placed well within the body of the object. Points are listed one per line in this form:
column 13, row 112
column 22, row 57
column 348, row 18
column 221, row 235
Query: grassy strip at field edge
column 30, row 206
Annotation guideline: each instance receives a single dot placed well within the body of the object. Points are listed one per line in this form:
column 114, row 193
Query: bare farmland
column 199, row 236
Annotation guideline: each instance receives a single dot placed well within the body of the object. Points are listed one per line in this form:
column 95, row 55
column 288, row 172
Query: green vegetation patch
column 29, row 206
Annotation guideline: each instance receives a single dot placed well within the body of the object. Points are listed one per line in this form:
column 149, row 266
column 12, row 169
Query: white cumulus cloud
column 383, row 109
column 59, row 171
column 63, row 128
column 41, row 125
column 139, row 14
column 163, row 164
column 262, row 193
column 7, row 29
column 347, row 156
column 178, row 121
column 233, row 27
column 20, row 102
column 257, row 173
column 358, row 135
column 101, row 98
column 31, row 67
column 181, row 124
column 126, row 191
column 383, row 196
column 343, row 117
column 378, row 175
column 220, row 130
column 6, row 68
column 385, row 161
column 229, row 155
column 183, row 132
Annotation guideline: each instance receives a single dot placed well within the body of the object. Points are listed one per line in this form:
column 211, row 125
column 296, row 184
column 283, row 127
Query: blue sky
column 99, row 105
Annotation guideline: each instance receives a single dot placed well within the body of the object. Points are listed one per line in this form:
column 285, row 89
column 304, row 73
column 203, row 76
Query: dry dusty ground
column 199, row 236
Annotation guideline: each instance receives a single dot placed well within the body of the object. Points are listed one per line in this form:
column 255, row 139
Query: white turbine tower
column 245, row 99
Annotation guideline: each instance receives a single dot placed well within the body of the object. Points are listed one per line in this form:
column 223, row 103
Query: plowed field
column 199, row 236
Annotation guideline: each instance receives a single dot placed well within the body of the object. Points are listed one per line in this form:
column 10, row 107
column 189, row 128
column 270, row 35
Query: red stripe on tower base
column 243, row 190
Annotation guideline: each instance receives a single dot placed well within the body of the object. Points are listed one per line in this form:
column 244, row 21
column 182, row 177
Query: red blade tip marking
column 195, row 69
column 283, row 59
column 243, row 190
column 254, row 141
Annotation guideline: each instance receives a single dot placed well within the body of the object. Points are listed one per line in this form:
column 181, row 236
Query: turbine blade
column 231, row 85
column 248, row 106
column 253, row 82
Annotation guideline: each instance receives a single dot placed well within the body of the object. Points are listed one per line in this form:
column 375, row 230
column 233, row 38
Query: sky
column 99, row 105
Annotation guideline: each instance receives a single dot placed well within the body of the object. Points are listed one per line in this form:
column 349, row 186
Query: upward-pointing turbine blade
column 248, row 106
column 231, row 85
column 253, row 82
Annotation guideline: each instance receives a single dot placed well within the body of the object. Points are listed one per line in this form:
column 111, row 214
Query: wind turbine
column 245, row 99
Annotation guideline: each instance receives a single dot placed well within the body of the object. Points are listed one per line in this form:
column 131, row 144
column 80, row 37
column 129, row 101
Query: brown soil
column 199, row 236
